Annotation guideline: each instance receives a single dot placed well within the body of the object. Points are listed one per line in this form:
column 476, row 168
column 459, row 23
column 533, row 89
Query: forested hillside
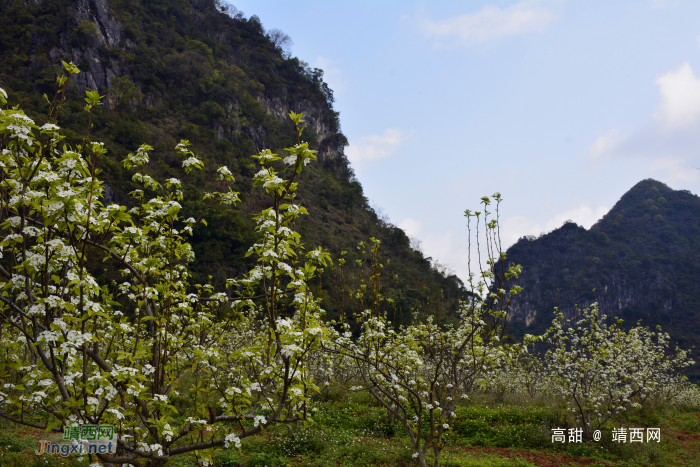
column 641, row 261
column 200, row 70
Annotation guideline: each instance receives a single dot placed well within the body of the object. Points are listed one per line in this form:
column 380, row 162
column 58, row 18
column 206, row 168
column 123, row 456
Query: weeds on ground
column 351, row 430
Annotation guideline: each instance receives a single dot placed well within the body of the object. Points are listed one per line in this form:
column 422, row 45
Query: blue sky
column 561, row 106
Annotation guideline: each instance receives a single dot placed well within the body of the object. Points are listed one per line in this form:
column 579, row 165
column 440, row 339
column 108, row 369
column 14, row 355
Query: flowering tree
column 517, row 372
column 502, row 376
column 603, row 370
column 418, row 372
column 76, row 350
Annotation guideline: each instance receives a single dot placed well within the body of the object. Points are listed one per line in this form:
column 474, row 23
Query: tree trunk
column 437, row 451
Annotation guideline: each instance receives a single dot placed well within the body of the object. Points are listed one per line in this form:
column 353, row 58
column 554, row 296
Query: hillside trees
column 77, row 348
column 228, row 108
column 282, row 41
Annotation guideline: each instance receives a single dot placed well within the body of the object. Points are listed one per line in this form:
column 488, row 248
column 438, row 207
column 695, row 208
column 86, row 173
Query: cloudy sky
column 561, row 106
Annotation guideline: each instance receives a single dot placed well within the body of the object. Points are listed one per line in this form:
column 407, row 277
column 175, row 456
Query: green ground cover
column 348, row 429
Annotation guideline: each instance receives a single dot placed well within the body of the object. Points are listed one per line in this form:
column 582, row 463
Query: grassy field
column 350, row 430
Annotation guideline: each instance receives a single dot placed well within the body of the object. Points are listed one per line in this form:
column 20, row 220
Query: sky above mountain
column 560, row 106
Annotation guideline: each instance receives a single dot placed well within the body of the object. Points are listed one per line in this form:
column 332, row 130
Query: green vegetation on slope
column 182, row 69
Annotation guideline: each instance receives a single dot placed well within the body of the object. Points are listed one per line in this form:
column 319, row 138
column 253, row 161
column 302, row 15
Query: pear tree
column 79, row 349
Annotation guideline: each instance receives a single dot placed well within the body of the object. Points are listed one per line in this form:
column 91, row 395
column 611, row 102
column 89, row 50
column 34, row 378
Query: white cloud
column 674, row 170
column 665, row 146
column 450, row 250
column 491, row 22
column 583, row 215
column 680, row 97
column 605, row 144
column 374, row 147
column 516, row 227
column 513, row 228
column 410, row 226
column 332, row 74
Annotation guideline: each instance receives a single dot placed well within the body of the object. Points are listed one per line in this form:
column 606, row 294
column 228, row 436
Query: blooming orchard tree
column 419, row 372
column 603, row 370
column 503, row 375
column 518, row 372
column 677, row 391
column 75, row 349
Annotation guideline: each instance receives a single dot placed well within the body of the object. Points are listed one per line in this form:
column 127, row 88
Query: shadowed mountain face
column 196, row 70
column 640, row 262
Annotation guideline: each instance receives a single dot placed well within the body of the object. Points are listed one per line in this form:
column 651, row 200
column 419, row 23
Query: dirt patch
column 690, row 446
column 540, row 458
column 688, row 439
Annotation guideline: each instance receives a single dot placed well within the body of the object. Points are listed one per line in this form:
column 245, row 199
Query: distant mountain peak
column 640, row 261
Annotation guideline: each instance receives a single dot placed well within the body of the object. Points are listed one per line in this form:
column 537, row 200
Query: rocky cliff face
column 97, row 42
column 100, row 14
column 313, row 115
column 105, row 31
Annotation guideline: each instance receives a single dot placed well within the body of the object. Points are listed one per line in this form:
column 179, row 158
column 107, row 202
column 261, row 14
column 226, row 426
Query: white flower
column 115, row 411
column 289, row 350
column 232, row 438
column 194, row 421
column 140, row 157
column 49, row 127
column 191, row 161
column 220, row 297
column 229, row 198
column 168, row 432
column 224, row 173
column 273, row 182
column 157, row 448
column 232, row 390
